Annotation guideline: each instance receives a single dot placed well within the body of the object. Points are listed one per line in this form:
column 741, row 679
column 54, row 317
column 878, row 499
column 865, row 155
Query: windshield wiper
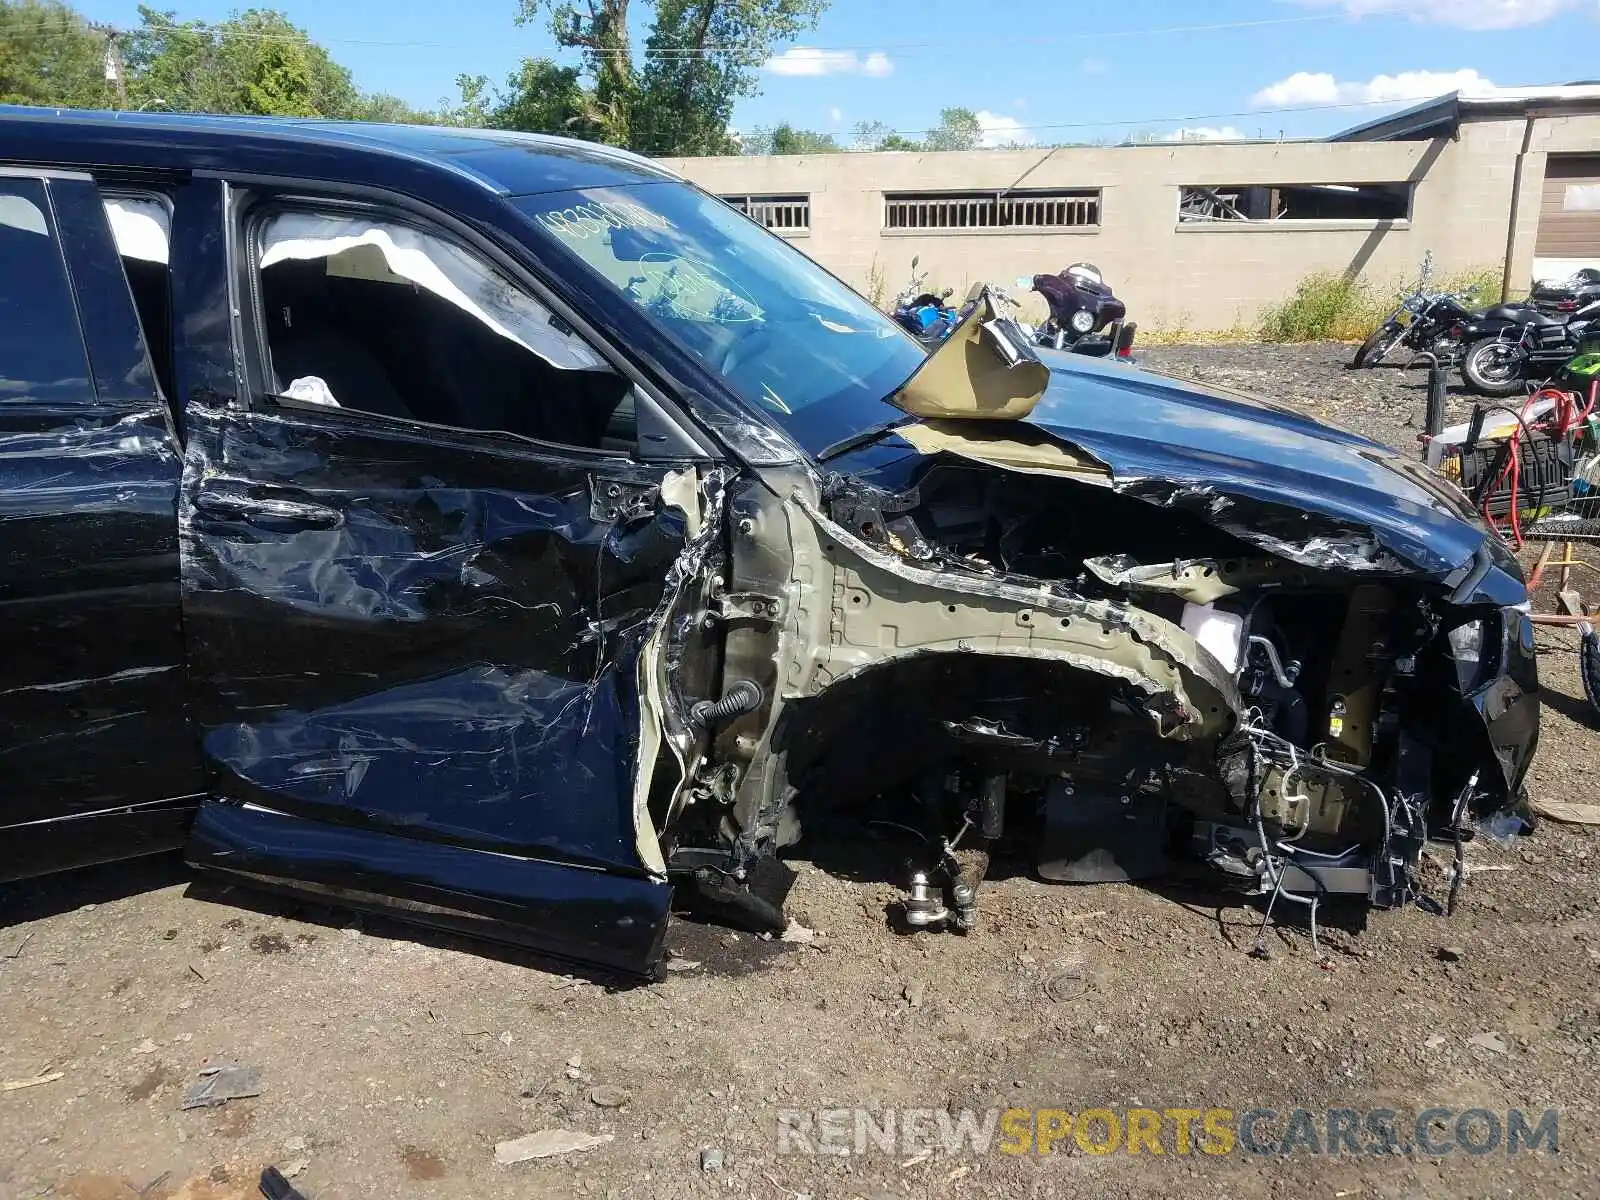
column 865, row 438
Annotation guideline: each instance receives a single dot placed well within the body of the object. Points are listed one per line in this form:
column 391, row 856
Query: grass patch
column 1324, row 307
column 1329, row 307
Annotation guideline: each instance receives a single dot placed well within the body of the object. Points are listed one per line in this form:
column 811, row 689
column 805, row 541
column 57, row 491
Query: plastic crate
column 1544, row 482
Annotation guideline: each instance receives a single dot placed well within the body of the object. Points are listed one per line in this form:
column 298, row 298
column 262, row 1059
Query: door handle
column 239, row 507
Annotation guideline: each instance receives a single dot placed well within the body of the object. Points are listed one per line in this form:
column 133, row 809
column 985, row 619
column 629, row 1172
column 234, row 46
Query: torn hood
column 1280, row 480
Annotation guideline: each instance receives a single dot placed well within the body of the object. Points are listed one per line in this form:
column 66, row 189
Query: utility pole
column 116, row 73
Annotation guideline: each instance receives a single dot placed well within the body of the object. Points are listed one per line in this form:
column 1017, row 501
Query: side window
column 142, row 227
column 41, row 346
column 384, row 317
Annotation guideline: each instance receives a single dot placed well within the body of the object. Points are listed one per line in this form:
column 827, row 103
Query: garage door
column 1569, row 217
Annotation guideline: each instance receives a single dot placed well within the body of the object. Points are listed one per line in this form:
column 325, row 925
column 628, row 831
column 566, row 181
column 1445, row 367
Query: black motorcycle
column 1438, row 323
column 1425, row 323
column 1505, row 347
column 1082, row 305
column 1567, row 296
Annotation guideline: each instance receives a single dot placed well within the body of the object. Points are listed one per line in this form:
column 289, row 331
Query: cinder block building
column 1204, row 235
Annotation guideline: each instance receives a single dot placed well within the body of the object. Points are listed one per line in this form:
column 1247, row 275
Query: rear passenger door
column 421, row 560
column 96, row 759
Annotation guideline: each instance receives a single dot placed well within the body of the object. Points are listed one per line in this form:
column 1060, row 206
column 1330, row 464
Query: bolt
column 747, row 526
column 962, row 893
column 613, row 489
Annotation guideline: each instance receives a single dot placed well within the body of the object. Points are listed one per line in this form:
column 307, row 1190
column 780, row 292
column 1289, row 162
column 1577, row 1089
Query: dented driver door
column 413, row 659
column 414, row 665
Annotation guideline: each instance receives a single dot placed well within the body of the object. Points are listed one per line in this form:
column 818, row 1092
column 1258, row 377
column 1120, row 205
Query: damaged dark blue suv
column 499, row 531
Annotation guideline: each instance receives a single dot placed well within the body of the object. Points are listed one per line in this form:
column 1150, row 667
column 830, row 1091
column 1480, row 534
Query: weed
column 1329, row 307
column 877, row 283
column 1324, row 306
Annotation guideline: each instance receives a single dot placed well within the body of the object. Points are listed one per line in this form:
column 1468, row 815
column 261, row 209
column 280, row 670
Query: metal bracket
column 612, row 502
column 719, row 783
column 746, row 606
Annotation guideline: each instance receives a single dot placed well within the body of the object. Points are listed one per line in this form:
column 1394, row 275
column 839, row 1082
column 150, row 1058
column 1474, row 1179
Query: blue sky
column 1094, row 71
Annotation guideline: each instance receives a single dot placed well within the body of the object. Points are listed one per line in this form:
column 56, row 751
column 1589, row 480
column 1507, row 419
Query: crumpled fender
column 850, row 607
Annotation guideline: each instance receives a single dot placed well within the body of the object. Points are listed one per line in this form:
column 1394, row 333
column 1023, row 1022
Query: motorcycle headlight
column 1082, row 321
column 1469, row 647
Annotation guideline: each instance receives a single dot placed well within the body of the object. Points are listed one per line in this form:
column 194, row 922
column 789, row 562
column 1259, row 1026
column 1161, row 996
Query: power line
column 1090, row 35
column 1037, row 127
column 217, row 30
column 1064, row 125
column 960, row 44
column 1216, row 116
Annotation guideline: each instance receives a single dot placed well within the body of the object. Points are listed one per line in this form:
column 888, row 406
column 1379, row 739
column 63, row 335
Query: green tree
column 958, row 129
column 875, row 135
column 543, row 97
column 391, row 110
column 49, row 55
column 699, row 58
column 784, row 138
column 256, row 61
column 471, row 111
column 538, row 97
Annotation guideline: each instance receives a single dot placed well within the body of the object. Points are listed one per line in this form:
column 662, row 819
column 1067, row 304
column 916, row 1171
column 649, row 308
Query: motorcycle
column 1425, row 323
column 1434, row 323
column 1081, row 304
column 1506, row 346
column 925, row 316
column 1567, row 296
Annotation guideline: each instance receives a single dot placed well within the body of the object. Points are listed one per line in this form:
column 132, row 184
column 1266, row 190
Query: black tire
column 1589, row 665
column 1378, row 344
column 1493, row 367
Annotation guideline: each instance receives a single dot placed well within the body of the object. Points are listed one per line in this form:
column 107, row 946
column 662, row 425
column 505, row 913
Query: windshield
column 788, row 338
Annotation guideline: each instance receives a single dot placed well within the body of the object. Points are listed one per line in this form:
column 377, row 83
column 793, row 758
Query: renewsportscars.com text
column 1167, row 1131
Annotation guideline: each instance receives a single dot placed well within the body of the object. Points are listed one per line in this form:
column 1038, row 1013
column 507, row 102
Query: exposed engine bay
column 1021, row 655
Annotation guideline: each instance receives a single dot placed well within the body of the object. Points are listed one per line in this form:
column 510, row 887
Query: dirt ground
column 393, row 1061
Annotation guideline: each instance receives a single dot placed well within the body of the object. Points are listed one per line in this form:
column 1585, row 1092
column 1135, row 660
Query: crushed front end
column 977, row 637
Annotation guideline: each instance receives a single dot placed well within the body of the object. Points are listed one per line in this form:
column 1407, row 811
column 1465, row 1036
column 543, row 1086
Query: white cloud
column 1308, row 87
column 1203, row 133
column 877, row 64
column 1000, row 130
column 1094, row 66
column 1462, row 14
column 811, row 61
column 836, row 115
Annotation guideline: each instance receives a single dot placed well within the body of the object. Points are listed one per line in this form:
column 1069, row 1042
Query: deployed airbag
column 142, row 229
column 436, row 265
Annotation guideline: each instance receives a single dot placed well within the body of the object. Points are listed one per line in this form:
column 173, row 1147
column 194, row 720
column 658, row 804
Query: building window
column 992, row 210
column 1221, row 203
column 781, row 214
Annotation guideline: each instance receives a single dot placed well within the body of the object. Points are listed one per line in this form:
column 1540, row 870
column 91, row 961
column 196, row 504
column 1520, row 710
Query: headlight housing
column 1081, row 321
column 1473, row 650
